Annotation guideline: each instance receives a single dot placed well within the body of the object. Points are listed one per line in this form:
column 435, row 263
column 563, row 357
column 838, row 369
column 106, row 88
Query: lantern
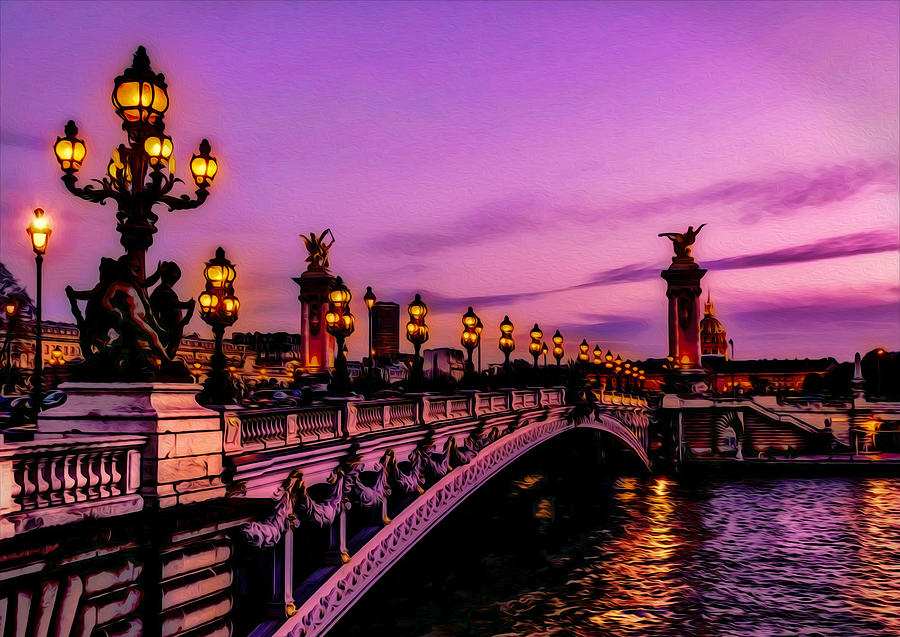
column 203, row 166
column 39, row 231
column 69, row 150
column 139, row 94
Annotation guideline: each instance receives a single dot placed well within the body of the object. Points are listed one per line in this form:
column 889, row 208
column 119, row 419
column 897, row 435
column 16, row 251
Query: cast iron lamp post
column 39, row 232
column 558, row 351
column 470, row 338
column 369, row 299
column 598, row 355
column 340, row 323
column 219, row 309
column 417, row 333
column 141, row 99
column 139, row 177
column 506, row 343
column 479, row 327
column 535, row 345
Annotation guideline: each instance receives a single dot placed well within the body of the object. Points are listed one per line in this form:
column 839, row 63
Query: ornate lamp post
column 544, row 350
column 598, row 355
column 506, row 344
column 219, row 309
column 340, row 323
column 369, row 298
column 558, row 351
column 470, row 338
column 479, row 327
column 583, row 355
column 535, row 345
column 417, row 333
column 139, row 176
column 39, row 232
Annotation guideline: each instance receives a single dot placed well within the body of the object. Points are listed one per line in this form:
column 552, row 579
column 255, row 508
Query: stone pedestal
column 317, row 345
column 683, row 279
column 182, row 460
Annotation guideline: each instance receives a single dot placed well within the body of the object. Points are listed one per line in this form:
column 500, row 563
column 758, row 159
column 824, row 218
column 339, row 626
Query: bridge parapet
column 491, row 403
column 57, row 481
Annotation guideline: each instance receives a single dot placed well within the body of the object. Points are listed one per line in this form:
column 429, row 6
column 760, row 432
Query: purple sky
column 521, row 157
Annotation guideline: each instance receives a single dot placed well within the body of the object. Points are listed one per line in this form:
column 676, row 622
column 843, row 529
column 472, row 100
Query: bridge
column 300, row 509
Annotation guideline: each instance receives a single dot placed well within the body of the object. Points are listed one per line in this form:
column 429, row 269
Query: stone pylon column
column 683, row 280
column 317, row 346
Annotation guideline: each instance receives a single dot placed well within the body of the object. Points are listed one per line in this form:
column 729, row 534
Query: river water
column 556, row 546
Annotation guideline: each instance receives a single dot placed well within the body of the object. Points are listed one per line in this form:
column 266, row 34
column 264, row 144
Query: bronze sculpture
column 318, row 249
column 682, row 242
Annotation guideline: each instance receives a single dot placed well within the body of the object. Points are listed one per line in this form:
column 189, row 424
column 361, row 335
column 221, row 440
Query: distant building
column 444, row 361
column 386, row 329
column 713, row 340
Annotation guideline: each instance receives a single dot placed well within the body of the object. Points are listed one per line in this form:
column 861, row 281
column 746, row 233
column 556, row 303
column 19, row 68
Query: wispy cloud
column 779, row 194
column 858, row 243
column 23, row 140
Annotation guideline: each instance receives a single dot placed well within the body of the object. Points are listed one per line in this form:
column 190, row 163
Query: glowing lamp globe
column 139, row 94
column 203, row 166
column 39, row 231
column 219, row 272
column 417, row 309
column 159, row 150
column 69, row 150
column 470, row 319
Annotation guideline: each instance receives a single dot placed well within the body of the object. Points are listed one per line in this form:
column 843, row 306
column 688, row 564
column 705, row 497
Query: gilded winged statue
column 682, row 242
column 318, row 249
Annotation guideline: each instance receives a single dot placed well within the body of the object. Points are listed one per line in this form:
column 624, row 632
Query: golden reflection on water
column 873, row 589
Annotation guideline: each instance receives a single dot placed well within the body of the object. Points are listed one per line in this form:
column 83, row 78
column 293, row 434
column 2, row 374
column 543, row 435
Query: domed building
column 713, row 340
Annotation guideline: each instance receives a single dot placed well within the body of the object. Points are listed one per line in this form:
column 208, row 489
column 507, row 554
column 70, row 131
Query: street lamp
column 340, row 323
column 417, row 333
column 583, row 355
column 139, row 177
column 479, row 326
column 609, row 360
column 219, row 309
column 598, row 355
column 535, row 345
column 506, row 343
column 39, row 232
column 544, row 350
column 369, row 299
column 558, row 351
column 470, row 338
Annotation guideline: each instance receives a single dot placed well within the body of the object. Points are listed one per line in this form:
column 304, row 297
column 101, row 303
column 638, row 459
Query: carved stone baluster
column 69, row 468
column 92, row 470
column 42, row 483
column 117, row 472
column 55, row 467
column 81, row 477
column 105, row 475
column 25, row 474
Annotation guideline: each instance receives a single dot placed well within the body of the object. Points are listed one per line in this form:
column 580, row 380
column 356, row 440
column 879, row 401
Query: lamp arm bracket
column 184, row 202
column 89, row 193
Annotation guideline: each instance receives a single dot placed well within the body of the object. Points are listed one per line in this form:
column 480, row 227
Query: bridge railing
column 247, row 430
column 41, row 478
column 374, row 415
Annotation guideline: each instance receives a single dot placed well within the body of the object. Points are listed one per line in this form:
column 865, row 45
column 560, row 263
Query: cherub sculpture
column 318, row 249
column 682, row 242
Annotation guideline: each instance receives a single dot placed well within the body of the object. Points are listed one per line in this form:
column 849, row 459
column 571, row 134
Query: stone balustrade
column 248, row 430
column 62, row 480
column 254, row 429
column 376, row 415
column 524, row 399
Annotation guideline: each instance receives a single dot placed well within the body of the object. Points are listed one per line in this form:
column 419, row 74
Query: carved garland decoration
column 350, row 581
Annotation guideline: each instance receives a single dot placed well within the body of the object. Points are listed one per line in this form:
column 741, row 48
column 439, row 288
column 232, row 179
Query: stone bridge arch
column 324, row 608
